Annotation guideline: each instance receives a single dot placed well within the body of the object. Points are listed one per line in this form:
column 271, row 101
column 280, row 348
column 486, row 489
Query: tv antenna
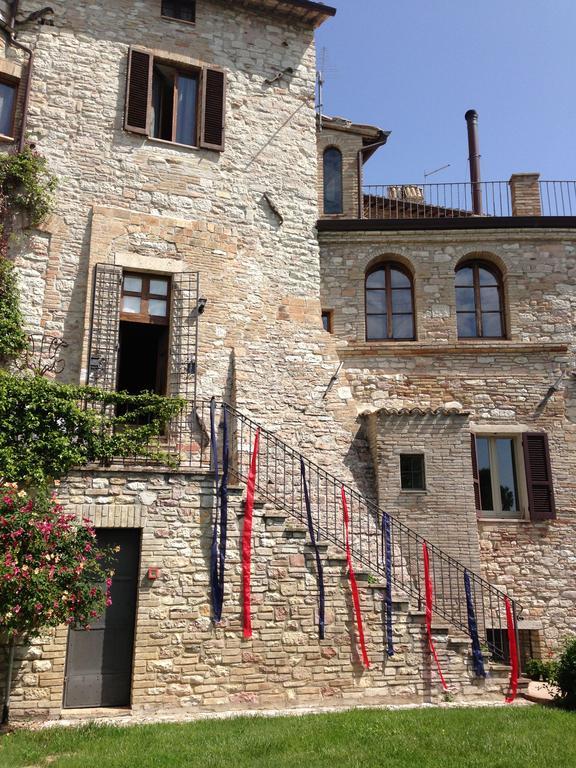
column 320, row 88
column 437, row 170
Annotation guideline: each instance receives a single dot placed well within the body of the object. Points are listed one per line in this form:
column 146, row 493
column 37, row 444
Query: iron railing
column 466, row 199
column 279, row 481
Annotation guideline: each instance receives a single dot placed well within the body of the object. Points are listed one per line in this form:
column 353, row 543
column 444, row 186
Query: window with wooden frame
column 513, row 476
column 179, row 10
column 389, row 293
column 8, row 100
column 143, row 333
column 333, row 181
column 172, row 102
column 479, row 301
column 412, row 472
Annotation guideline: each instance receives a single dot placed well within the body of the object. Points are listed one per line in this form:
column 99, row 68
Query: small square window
column 412, row 475
column 183, row 10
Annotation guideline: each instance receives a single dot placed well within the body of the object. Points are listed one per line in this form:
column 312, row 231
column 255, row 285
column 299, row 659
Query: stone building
column 212, row 237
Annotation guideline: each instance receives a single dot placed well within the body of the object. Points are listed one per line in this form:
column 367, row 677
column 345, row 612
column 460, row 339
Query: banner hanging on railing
column 319, row 568
column 477, row 658
column 216, row 586
column 429, row 604
column 387, row 539
column 247, row 538
column 353, row 584
column 513, row 648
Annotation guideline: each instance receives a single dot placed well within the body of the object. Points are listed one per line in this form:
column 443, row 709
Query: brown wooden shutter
column 138, row 91
column 475, row 474
column 213, row 109
column 538, row 476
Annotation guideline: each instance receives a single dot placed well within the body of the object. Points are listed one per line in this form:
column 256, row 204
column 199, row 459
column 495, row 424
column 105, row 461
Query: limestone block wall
column 505, row 384
column 182, row 662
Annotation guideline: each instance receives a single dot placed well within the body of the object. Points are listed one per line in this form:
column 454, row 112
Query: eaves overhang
column 305, row 12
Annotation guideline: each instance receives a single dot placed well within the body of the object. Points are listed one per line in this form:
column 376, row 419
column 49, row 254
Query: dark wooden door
column 99, row 660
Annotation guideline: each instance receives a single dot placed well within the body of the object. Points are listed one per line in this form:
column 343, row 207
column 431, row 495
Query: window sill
column 514, row 520
column 451, row 347
column 172, row 143
column 414, row 491
column 178, row 21
column 6, row 139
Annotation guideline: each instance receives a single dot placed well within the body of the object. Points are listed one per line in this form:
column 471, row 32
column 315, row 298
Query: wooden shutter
column 475, row 474
column 213, row 109
column 105, row 327
column 538, row 476
column 138, row 91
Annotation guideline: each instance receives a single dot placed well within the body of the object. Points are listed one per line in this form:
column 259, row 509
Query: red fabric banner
column 513, row 686
column 354, row 585
column 247, row 538
column 429, row 602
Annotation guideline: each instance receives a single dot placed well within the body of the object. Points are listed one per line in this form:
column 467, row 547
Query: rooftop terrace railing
column 523, row 195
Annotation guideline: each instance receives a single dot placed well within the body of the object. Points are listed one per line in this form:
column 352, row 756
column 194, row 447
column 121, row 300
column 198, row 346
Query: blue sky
column 414, row 67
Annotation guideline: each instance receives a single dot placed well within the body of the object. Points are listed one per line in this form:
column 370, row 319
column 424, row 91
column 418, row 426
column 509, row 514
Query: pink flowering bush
column 51, row 572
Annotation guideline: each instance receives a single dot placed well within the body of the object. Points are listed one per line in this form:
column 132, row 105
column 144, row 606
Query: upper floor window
column 175, row 103
column 145, row 298
column 183, row 10
column 8, row 89
column 333, row 193
column 389, row 303
column 479, row 301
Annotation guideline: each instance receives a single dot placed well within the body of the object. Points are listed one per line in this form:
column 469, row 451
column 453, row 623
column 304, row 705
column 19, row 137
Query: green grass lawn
column 531, row 737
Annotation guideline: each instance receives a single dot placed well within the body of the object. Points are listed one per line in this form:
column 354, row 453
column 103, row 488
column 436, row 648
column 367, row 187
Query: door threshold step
column 88, row 712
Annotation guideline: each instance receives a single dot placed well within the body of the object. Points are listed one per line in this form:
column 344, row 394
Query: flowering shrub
column 50, row 570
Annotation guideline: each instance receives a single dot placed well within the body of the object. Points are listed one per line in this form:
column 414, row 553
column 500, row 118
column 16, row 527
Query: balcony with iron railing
column 524, row 195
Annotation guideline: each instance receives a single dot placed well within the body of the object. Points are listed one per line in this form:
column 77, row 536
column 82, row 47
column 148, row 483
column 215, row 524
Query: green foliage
column 538, row 669
column 566, row 674
column 13, row 340
column 26, row 185
column 51, row 572
column 47, row 429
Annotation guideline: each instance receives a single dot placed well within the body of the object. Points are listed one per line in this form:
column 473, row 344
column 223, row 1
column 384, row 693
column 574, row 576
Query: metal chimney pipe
column 474, row 159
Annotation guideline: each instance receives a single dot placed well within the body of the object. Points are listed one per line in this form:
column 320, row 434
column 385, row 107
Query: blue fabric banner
column 387, row 539
column 477, row 658
column 319, row 568
column 218, row 545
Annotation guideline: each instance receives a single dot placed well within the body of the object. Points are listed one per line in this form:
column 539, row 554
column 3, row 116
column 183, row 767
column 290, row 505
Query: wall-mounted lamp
column 201, row 306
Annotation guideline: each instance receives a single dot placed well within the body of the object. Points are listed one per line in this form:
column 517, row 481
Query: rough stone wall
column 124, row 199
column 183, row 662
column 443, row 512
column 503, row 384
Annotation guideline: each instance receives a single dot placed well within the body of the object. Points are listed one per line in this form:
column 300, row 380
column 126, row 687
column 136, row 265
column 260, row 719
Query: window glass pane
column 402, row 300
column 131, row 304
column 507, row 474
column 490, row 299
column 157, row 307
column 162, row 102
column 491, row 324
column 333, row 202
column 486, row 277
column 376, row 279
column 399, row 279
column 466, row 325
column 484, row 473
column 133, row 284
column 402, row 327
column 7, row 96
column 412, row 472
column 376, row 302
column 465, row 299
column 326, row 321
column 186, row 115
column 376, row 327
column 465, row 276
column 179, row 9
column 159, row 287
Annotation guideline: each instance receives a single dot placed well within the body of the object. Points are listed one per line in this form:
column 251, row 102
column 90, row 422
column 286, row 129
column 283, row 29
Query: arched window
column 333, row 198
column 389, row 303
column 479, row 301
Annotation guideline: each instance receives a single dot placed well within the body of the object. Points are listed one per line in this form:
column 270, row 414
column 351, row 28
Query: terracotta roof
column 450, row 409
column 306, row 12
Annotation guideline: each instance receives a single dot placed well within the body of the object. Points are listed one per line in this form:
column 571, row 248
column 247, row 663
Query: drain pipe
column 360, row 161
column 471, row 118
